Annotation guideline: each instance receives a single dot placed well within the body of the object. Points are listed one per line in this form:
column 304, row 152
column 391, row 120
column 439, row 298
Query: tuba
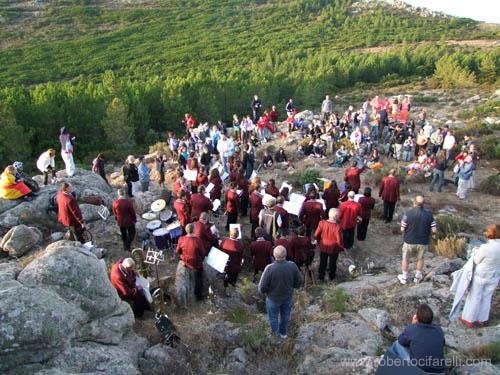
column 141, row 266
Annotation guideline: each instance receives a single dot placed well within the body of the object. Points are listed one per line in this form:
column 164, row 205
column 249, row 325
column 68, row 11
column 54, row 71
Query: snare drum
column 161, row 237
column 175, row 231
column 166, row 216
column 153, row 225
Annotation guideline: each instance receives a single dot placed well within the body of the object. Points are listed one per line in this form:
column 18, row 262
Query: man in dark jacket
column 422, row 343
column 124, row 211
column 278, row 281
column 69, row 213
column 389, row 192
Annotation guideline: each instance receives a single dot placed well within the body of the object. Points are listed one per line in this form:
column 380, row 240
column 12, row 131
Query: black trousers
column 52, row 172
column 244, row 205
column 232, row 218
column 348, row 237
column 389, row 210
column 362, row 229
column 139, row 304
column 230, row 278
column 129, row 189
column 255, row 224
column 323, row 260
column 198, row 284
column 128, row 235
column 76, row 234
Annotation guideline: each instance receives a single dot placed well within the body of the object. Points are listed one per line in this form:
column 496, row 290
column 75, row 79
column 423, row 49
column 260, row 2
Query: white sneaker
column 283, row 337
column 416, row 279
column 403, row 280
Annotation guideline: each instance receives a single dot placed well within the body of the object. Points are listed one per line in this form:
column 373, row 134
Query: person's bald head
column 279, row 252
column 189, row 228
column 419, row 201
column 233, row 233
column 204, row 217
column 128, row 263
column 351, row 195
column 392, row 172
column 333, row 213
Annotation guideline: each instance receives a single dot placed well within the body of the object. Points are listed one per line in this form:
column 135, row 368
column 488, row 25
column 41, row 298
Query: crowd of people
column 217, row 167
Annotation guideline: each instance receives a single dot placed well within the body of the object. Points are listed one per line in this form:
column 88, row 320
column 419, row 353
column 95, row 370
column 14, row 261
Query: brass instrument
column 140, row 265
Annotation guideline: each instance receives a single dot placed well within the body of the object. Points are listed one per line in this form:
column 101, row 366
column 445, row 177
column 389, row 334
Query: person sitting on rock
column 421, row 342
column 267, row 160
column 10, row 189
column 341, row 156
column 123, row 278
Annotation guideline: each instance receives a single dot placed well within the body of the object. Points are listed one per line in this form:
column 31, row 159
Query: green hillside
column 64, row 62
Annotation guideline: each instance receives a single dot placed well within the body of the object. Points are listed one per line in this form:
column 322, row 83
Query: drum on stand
column 166, row 216
column 153, row 225
column 175, row 231
column 161, row 237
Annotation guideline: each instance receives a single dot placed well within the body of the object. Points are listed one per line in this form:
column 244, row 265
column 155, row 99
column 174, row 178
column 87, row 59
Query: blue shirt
column 143, row 172
column 417, row 223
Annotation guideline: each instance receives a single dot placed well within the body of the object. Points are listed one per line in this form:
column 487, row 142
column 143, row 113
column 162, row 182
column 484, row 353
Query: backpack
column 52, row 207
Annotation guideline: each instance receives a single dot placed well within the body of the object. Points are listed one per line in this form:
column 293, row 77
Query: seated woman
column 422, row 163
column 280, row 156
column 318, row 149
column 10, row 189
column 374, row 160
column 341, row 156
column 267, row 160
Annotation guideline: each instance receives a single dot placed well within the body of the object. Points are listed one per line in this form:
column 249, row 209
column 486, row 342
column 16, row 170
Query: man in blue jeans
column 278, row 281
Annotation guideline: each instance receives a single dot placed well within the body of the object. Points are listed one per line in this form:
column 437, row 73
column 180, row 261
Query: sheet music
column 216, row 205
column 191, row 174
column 286, row 185
column 237, row 226
column 217, row 259
column 297, row 198
column 293, row 208
column 209, row 187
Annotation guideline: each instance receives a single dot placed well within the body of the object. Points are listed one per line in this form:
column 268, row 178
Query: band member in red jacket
column 123, row 278
column 329, row 237
column 215, row 179
column 285, row 217
column 192, row 252
column 367, row 204
column 302, row 248
column 201, row 180
column 202, row 231
column 234, row 248
column 352, row 175
column 200, row 203
column 285, row 242
column 389, row 192
column 261, row 250
column 331, row 195
column 243, row 185
column 271, row 188
column 255, row 207
column 232, row 205
column 69, row 213
column 125, row 215
column 182, row 209
column 311, row 213
column 349, row 216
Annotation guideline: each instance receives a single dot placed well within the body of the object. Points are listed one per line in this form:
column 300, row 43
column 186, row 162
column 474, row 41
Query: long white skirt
column 69, row 163
column 478, row 301
column 463, row 186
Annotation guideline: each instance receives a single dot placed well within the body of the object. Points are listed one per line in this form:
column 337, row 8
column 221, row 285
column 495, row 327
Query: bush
column 449, row 226
column 451, row 247
column 489, row 147
column 488, row 351
column 160, row 146
column 256, row 338
column 425, row 99
column 490, row 185
column 336, row 301
column 310, row 176
column 450, row 74
column 238, row 315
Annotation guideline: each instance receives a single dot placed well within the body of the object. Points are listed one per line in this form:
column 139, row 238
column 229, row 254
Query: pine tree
column 488, row 69
column 14, row 141
column 118, row 129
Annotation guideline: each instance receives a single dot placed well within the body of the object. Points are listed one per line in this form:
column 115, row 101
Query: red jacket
column 203, row 232
column 301, row 248
column 352, row 175
column 285, row 220
column 235, row 175
column 177, row 185
column 243, row 186
column 331, row 197
column 192, row 251
column 367, row 204
column 234, row 248
column 124, row 211
column 183, row 211
column 262, row 251
column 201, row 179
column 329, row 236
column 216, row 192
column 190, row 123
column 255, row 206
column 69, row 213
column 272, row 190
column 123, row 281
column 348, row 213
column 232, row 201
column 273, row 116
column 283, row 241
column 199, row 204
column 389, row 189
column 311, row 213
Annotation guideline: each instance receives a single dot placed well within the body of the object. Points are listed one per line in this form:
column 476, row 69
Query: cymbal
column 158, row 205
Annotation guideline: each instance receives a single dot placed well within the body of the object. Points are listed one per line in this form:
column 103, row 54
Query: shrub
column 490, row 185
column 450, row 74
column 336, row 301
column 451, row 247
column 310, row 176
column 489, row 147
column 424, row 99
column 488, row 351
column 238, row 315
column 256, row 338
column 449, row 226
column 160, row 146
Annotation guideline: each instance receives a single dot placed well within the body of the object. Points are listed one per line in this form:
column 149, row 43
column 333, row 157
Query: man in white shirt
column 449, row 144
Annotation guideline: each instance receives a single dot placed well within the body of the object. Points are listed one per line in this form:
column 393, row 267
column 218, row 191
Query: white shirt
column 487, row 260
column 44, row 161
column 449, row 142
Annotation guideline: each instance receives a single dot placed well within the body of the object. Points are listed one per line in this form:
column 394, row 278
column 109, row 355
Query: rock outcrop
column 20, row 239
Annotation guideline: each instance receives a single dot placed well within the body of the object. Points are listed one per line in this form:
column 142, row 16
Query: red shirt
column 199, row 204
column 124, row 211
column 348, row 213
column 329, row 236
column 201, row 179
column 203, row 232
column 367, row 204
column 234, row 248
column 301, row 248
column 331, row 197
column 243, row 186
column 262, row 251
column 232, row 201
column 183, row 211
column 285, row 220
column 189, row 120
column 389, row 189
column 192, row 251
column 123, row 280
column 68, row 213
column 311, row 213
column 352, row 175
column 255, row 206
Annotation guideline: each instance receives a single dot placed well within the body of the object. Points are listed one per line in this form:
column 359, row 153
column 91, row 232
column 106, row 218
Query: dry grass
column 488, row 351
column 451, row 247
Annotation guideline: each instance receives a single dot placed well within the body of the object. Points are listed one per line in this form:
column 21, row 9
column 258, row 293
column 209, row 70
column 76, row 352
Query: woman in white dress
column 485, row 279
